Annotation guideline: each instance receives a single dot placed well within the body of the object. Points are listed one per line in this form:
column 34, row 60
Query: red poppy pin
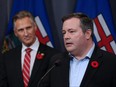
column 94, row 64
column 40, row 56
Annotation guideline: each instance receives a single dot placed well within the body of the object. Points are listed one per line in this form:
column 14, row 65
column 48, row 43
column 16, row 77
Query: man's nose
column 66, row 36
column 25, row 32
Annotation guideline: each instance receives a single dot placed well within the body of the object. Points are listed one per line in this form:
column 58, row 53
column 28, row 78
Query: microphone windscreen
column 57, row 62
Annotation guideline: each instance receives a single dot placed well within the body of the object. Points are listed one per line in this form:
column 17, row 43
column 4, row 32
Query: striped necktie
column 26, row 67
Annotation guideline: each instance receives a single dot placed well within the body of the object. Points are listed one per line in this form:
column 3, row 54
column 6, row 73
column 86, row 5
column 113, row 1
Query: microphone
column 57, row 62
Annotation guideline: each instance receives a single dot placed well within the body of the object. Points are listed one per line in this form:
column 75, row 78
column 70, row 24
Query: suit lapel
column 91, row 70
column 65, row 70
column 37, row 64
column 18, row 67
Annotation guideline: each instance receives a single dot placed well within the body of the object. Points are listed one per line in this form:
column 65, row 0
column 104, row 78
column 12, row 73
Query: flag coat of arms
column 100, row 12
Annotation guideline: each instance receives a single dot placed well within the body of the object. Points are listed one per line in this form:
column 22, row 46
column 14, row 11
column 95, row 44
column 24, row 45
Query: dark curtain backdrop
column 55, row 8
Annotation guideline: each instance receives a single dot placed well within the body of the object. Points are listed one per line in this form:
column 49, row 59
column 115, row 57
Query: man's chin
column 28, row 44
column 69, row 49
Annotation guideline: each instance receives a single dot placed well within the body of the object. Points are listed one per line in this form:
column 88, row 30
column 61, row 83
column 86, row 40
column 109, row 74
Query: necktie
column 26, row 67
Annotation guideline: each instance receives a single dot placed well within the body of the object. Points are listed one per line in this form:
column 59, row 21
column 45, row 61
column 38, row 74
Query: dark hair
column 23, row 14
column 85, row 22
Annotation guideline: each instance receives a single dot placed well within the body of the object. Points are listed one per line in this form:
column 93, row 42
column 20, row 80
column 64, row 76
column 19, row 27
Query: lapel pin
column 40, row 56
column 94, row 64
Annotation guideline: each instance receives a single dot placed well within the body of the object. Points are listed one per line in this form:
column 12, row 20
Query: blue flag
column 37, row 8
column 100, row 12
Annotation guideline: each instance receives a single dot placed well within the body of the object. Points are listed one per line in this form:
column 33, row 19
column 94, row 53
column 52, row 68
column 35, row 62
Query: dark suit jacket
column 104, row 75
column 12, row 71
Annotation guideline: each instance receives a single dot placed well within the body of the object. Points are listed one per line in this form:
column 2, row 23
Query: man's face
column 24, row 29
column 74, row 39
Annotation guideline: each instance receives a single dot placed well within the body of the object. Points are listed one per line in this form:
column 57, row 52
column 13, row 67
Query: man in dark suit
column 14, row 73
column 84, row 64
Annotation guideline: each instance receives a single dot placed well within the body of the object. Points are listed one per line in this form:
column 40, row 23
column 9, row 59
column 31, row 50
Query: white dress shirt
column 33, row 53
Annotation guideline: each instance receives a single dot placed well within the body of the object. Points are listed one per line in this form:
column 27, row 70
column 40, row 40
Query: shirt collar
column 89, row 54
column 34, row 46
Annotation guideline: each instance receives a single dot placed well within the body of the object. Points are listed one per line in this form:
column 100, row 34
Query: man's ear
column 15, row 32
column 88, row 33
column 35, row 26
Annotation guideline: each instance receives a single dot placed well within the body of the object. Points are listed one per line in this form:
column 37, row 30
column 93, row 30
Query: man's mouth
column 68, row 44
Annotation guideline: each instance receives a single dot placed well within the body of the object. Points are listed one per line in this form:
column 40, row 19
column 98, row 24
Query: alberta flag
column 100, row 12
column 37, row 8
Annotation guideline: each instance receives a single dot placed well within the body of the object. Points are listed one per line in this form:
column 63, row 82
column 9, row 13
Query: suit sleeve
column 3, row 79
